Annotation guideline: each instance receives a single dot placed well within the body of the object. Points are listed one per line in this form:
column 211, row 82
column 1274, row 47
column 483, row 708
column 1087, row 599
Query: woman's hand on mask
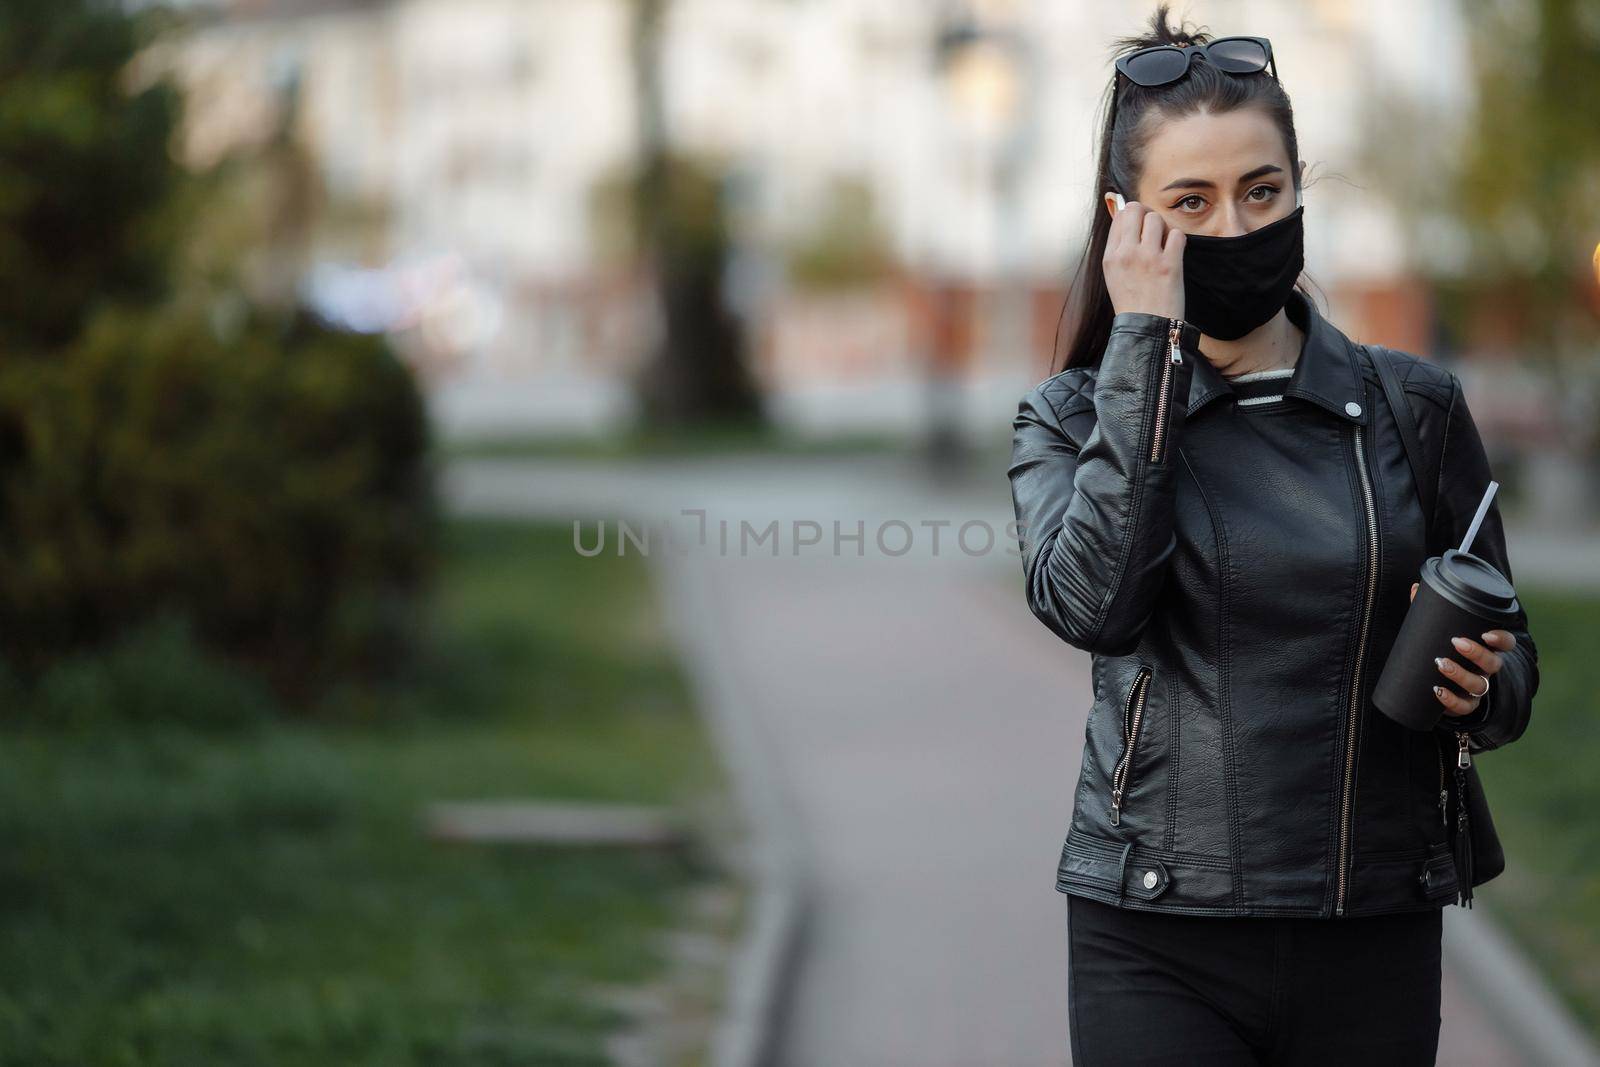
column 1144, row 263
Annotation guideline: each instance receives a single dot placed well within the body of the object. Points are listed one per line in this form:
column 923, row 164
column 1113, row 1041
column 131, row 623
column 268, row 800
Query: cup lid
column 1476, row 581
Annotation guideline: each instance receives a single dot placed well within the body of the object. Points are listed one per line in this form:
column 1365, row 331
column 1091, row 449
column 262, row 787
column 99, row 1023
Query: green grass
column 1543, row 790
column 261, row 893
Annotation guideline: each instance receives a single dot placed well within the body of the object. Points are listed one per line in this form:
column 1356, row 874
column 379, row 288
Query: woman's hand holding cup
column 1143, row 263
column 1485, row 657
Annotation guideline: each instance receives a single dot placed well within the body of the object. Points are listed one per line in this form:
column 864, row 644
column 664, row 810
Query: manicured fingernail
column 1438, row 690
column 1461, row 642
column 1438, row 661
column 1486, row 638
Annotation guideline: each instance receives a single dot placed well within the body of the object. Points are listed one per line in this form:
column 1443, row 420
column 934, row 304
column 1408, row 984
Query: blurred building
column 470, row 140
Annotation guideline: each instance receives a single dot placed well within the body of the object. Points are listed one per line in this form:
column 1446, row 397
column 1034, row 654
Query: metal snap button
column 1150, row 879
column 1352, row 408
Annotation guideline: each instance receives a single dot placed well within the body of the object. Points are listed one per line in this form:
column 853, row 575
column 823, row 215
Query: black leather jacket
column 1239, row 577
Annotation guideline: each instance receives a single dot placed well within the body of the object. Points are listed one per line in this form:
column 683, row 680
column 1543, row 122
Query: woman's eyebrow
column 1201, row 183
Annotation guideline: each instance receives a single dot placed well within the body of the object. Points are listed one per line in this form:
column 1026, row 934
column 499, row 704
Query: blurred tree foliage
column 86, row 182
column 192, row 449
column 848, row 248
column 1530, row 180
column 250, row 219
column 1502, row 199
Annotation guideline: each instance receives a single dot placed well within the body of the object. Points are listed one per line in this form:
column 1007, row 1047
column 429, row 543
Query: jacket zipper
column 1174, row 359
column 1132, row 715
column 1353, row 723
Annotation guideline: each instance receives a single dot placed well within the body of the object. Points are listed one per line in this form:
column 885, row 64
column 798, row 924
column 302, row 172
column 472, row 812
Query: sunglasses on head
column 1163, row 64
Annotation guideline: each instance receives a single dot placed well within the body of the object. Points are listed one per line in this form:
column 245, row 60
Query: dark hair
column 1125, row 131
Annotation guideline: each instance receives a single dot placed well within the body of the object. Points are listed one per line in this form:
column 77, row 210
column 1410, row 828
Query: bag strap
column 1407, row 422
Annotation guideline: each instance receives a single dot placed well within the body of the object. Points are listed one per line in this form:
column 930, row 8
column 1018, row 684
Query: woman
column 1216, row 502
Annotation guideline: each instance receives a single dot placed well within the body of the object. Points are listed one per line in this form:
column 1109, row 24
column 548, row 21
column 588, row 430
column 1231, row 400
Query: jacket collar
column 1325, row 374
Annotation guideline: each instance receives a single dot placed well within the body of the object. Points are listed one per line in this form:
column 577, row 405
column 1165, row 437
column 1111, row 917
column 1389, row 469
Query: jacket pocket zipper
column 1461, row 847
column 1174, row 359
column 1444, row 791
column 1463, row 844
column 1132, row 716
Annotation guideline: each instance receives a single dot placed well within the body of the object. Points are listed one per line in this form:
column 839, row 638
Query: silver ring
column 1485, row 692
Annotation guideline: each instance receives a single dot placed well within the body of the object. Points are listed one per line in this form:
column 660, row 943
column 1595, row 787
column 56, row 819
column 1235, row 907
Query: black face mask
column 1231, row 285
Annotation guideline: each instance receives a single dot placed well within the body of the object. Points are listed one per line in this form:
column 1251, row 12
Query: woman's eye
column 1198, row 201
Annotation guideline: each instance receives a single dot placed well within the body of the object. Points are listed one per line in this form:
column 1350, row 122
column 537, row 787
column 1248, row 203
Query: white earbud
column 1121, row 203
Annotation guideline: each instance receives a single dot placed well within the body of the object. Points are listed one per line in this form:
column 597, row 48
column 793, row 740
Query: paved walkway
column 931, row 730
column 926, row 733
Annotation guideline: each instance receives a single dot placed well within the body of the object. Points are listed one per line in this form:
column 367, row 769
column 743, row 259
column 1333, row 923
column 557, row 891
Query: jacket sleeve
column 1096, row 516
column 1464, row 475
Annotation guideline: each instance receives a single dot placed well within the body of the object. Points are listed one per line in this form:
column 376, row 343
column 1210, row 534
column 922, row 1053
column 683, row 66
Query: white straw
column 1477, row 520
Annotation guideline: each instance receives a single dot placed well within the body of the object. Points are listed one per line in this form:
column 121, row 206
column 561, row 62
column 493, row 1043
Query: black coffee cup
column 1458, row 595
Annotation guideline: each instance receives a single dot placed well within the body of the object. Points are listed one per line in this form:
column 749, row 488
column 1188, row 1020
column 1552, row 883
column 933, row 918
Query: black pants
column 1146, row 988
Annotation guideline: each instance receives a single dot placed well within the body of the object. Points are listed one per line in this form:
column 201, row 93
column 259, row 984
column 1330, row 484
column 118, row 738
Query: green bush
column 272, row 490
